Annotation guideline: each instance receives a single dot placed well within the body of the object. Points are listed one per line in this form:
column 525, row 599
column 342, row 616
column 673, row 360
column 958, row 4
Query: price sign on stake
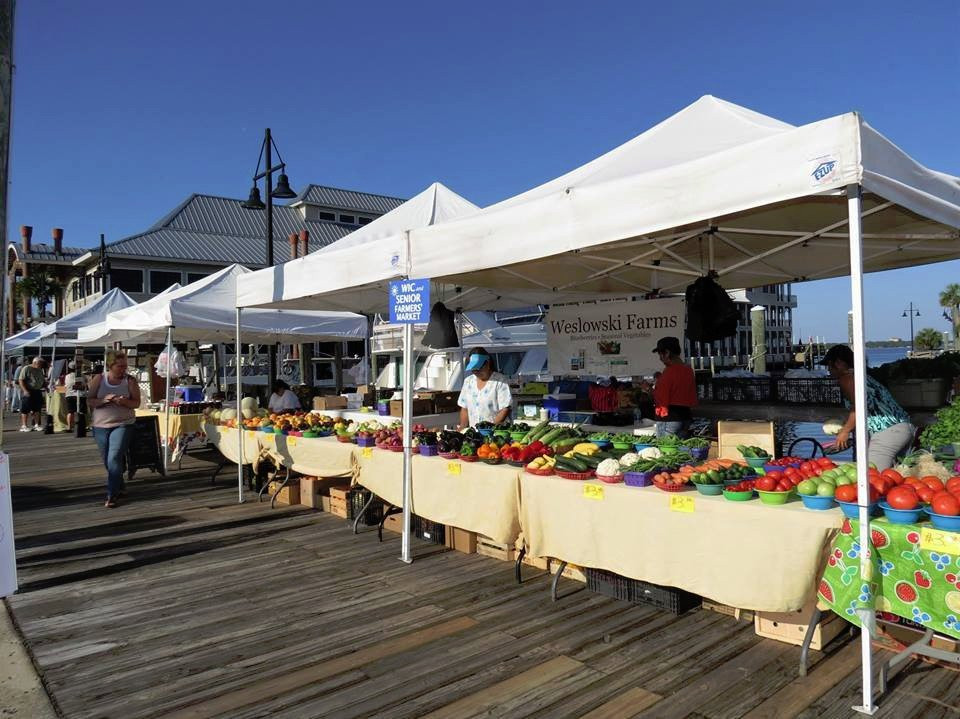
column 453, row 468
column 593, row 491
column 368, row 452
column 935, row 540
column 681, row 504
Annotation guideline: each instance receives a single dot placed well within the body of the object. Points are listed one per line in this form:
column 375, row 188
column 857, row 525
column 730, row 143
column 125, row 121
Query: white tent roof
column 67, row 326
column 714, row 186
column 205, row 310
column 98, row 333
column 23, row 338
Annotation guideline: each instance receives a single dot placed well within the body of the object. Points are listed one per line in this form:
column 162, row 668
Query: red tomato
column 879, row 485
column 776, row 475
column 912, row 481
column 806, row 467
column 766, row 483
column 892, row 475
column 945, row 503
column 875, row 496
column 902, row 497
column 817, row 470
column 933, row 482
column 784, row 486
column 826, row 463
column 794, row 472
column 846, row 493
column 873, row 472
column 925, row 494
column 953, row 484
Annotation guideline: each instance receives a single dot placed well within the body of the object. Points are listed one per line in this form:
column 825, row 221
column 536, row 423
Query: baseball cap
column 838, row 352
column 476, row 361
column 672, row 344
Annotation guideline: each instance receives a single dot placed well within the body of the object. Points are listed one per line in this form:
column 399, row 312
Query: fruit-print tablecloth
column 909, row 578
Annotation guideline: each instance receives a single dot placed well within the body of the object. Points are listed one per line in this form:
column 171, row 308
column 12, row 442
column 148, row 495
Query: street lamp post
column 911, row 312
column 282, row 191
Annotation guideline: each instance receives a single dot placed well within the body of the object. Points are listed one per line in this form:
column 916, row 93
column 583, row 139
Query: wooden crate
column 791, row 627
column 288, row 495
column 310, row 492
column 727, row 610
column 461, row 540
column 756, row 434
column 394, row 523
column 571, row 571
column 488, row 548
column 538, row 562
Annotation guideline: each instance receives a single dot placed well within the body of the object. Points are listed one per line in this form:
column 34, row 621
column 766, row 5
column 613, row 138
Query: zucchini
column 566, row 464
column 592, row 462
column 554, row 434
column 532, row 435
column 580, row 465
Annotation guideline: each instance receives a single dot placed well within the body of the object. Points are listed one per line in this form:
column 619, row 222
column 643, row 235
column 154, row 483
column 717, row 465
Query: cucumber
column 553, row 435
column 565, row 464
column 592, row 462
column 579, row 464
column 532, row 435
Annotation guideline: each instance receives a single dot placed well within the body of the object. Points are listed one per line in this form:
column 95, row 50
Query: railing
column 770, row 390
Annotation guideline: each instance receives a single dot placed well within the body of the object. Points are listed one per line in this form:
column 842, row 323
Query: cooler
column 559, row 402
column 188, row 393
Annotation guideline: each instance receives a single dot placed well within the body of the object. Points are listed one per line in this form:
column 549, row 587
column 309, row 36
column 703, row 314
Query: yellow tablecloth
column 320, row 457
column 473, row 496
column 225, row 440
column 57, row 407
column 745, row 554
column 184, row 430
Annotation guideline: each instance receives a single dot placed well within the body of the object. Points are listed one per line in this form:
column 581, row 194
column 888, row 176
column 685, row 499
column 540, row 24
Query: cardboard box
column 442, row 401
column 727, row 610
column 420, row 407
column 626, row 397
column 791, row 627
column 461, row 540
column 755, row 434
column 895, row 637
column 329, row 402
column 394, row 523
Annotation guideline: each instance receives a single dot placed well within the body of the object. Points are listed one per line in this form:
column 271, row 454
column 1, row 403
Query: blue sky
column 123, row 109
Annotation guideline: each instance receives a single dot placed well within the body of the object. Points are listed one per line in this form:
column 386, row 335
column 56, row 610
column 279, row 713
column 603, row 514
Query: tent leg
column 867, row 616
column 239, row 416
column 407, row 439
column 166, row 404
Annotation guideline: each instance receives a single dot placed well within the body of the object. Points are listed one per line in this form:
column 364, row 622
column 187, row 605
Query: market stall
column 178, row 431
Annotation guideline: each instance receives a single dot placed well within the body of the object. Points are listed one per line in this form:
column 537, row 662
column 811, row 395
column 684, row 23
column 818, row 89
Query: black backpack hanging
column 711, row 314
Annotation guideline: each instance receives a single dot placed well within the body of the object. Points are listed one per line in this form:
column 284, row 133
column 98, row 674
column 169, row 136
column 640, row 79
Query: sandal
column 110, row 503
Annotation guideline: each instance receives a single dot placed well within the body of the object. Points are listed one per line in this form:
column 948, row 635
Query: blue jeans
column 113, row 443
column 677, row 428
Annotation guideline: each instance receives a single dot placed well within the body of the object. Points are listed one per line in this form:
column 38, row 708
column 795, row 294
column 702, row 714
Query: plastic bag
column 178, row 366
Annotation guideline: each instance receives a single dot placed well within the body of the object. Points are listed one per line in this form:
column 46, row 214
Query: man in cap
column 485, row 395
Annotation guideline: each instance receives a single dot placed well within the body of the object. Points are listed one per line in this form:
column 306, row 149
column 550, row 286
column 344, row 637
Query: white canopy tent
column 98, row 333
column 24, row 338
column 65, row 329
column 715, row 188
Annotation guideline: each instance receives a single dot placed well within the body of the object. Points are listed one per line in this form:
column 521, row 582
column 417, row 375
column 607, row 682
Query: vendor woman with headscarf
column 675, row 393
column 485, row 395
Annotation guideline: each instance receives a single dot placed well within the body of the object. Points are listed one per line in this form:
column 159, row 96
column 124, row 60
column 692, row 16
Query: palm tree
column 928, row 339
column 950, row 298
column 40, row 287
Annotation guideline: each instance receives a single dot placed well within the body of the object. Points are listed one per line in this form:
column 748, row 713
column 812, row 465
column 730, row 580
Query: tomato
column 873, row 472
column 912, row 481
column 826, row 463
column 945, row 503
column 846, row 493
column 925, row 493
column 806, row 467
column 817, row 470
column 784, row 486
column 879, row 485
column 766, row 483
column 933, row 482
column 903, row 497
column 794, row 472
column 953, row 484
column 892, row 475
column 775, row 475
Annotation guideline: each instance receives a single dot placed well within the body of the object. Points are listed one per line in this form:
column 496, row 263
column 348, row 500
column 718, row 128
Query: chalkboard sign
column 144, row 451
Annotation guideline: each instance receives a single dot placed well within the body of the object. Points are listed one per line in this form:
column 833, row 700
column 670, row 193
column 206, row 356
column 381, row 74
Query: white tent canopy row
column 204, row 311
column 66, row 329
column 24, row 338
column 716, row 187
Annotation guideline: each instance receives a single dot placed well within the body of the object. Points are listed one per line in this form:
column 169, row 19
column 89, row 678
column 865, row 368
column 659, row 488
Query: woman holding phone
column 113, row 396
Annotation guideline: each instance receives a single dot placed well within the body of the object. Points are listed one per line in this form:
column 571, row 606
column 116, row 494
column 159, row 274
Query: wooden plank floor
column 182, row 603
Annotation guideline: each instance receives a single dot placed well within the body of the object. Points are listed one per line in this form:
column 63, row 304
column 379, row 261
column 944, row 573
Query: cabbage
column 832, row 426
column 228, row 414
column 608, row 468
column 249, row 403
column 651, row 453
column 629, row 458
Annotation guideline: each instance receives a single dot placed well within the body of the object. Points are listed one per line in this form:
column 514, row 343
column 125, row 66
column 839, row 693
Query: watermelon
column 825, row 591
column 879, row 538
column 905, row 592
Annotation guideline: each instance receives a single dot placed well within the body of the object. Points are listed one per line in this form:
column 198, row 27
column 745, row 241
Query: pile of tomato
column 787, row 462
column 910, row 492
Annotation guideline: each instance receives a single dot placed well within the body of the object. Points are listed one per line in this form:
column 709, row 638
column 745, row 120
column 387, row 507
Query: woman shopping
column 113, row 396
column 675, row 393
column 888, row 424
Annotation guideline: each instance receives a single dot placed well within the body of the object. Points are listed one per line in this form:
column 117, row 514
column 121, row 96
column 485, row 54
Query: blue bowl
column 852, row 509
column 640, row 446
column 901, row 516
column 757, row 462
column 601, row 443
column 485, row 432
column 699, row 452
column 944, row 521
column 813, row 501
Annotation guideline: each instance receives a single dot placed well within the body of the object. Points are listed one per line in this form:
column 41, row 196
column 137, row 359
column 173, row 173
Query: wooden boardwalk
column 182, row 603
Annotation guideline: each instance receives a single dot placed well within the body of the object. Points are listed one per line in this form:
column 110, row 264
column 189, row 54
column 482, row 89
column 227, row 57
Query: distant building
column 894, row 339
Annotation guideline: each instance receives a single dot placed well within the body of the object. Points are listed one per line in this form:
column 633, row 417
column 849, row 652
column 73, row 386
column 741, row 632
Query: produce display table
column 319, row 456
column 225, row 440
column 184, row 430
column 744, row 554
column 473, row 496
column 916, row 575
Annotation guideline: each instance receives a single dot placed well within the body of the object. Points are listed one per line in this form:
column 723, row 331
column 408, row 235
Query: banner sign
column 410, row 301
column 611, row 338
column 8, row 559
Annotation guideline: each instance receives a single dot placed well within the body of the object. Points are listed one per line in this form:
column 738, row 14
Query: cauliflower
column 608, row 468
column 832, row 427
column 651, row 453
column 629, row 459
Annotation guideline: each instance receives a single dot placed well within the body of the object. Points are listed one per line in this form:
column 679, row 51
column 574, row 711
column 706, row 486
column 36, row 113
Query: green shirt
column 33, row 377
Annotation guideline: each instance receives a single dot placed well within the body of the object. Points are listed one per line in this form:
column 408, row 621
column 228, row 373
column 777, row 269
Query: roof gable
column 347, row 199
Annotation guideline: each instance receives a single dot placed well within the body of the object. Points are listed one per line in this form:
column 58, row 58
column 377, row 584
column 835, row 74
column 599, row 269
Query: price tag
column 367, row 452
column 935, row 540
column 453, row 468
column 681, row 504
column 251, row 435
column 592, row 491
column 270, row 438
column 291, row 441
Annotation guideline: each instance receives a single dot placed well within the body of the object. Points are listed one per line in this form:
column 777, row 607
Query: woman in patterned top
column 485, row 395
column 888, row 424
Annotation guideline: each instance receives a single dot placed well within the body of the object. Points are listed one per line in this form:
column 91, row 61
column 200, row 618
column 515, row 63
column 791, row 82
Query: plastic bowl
column 485, row 432
column 640, row 446
column 901, row 516
column 622, row 445
column 669, row 448
column 775, row 497
column 699, row 452
column 517, row 436
column 737, row 496
column 944, row 521
column 815, row 501
column 709, row 489
column 601, row 443
column 852, row 509
column 757, row 462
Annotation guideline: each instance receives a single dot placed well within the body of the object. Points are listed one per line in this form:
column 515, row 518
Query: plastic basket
column 488, row 460
column 365, row 441
column 516, row 463
column 638, row 479
column 637, row 591
column 449, row 455
column 574, row 475
column 393, row 448
column 672, row 487
column 699, row 453
column 469, row 458
column 544, row 472
column 428, row 531
column 345, row 438
column 611, row 479
column 428, row 450
column 358, row 498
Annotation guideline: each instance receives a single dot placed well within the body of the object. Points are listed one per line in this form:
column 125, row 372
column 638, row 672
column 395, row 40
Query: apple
column 825, row 489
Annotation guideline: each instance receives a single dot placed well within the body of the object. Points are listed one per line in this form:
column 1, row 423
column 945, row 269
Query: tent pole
column 239, row 415
column 867, row 616
column 462, row 353
column 53, row 352
column 371, row 377
column 166, row 404
column 407, row 431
